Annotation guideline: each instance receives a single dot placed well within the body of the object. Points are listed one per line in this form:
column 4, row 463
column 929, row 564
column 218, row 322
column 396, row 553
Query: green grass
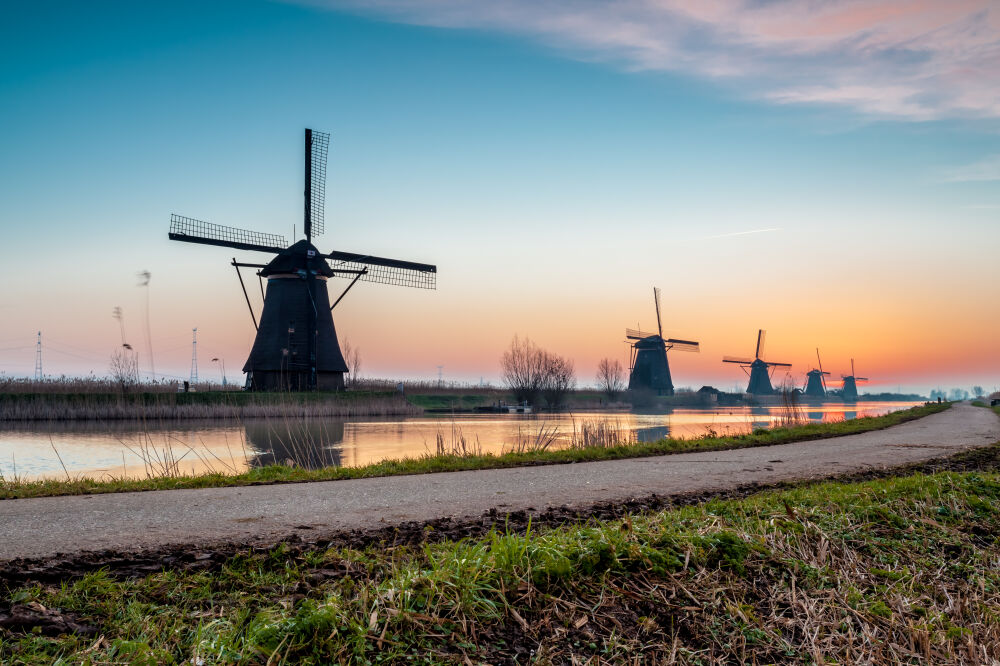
column 901, row 570
column 452, row 401
column 980, row 403
column 14, row 489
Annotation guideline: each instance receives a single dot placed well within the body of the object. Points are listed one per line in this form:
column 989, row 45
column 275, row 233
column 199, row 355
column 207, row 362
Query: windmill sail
column 637, row 334
column 384, row 271
column 659, row 319
column 741, row 360
column 317, row 145
column 682, row 345
column 190, row 230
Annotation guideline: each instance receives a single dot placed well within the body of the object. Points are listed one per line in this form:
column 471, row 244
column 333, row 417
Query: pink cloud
column 917, row 60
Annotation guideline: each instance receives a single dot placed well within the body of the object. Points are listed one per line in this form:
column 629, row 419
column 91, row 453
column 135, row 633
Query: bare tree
column 977, row 391
column 124, row 368
column 522, row 369
column 557, row 379
column 352, row 356
column 611, row 377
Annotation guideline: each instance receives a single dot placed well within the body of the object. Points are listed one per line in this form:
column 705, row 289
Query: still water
column 55, row 449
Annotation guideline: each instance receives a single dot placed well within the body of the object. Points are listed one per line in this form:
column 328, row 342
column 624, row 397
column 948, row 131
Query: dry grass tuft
column 601, row 434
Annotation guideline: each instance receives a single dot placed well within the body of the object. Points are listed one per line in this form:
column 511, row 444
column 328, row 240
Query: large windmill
column 850, row 390
column 648, row 367
column 816, row 384
column 757, row 368
column 296, row 347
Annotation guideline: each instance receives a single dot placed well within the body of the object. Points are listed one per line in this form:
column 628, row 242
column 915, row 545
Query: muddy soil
column 16, row 573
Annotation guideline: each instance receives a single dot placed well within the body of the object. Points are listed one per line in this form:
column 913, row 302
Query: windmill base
column 265, row 380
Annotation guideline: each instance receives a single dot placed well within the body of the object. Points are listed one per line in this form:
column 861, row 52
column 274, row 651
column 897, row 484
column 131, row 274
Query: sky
column 829, row 172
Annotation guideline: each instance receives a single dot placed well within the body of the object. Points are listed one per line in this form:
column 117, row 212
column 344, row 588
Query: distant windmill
column 296, row 347
column 816, row 385
column 850, row 390
column 757, row 368
column 648, row 367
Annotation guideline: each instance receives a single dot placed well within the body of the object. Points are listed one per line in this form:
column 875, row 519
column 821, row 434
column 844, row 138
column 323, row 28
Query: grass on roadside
column 901, row 570
column 980, row 403
column 15, row 488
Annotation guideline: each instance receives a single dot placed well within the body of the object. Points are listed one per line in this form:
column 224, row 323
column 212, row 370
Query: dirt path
column 42, row 528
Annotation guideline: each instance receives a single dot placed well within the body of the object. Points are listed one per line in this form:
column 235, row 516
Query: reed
column 533, row 441
column 157, row 406
column 77, row 385
column 456, row 445
column 601, row 434
column 791, row 412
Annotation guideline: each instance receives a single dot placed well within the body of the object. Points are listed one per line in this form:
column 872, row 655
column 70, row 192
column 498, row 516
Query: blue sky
column 554, row 175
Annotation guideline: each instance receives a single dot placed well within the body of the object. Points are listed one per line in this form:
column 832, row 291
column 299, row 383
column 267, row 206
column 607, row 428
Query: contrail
column 740, row 233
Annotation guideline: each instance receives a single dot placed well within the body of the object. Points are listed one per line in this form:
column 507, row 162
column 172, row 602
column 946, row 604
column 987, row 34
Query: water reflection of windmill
column 850, row 390
column 311, row 444
column 296, row 347
column 757, row 368
column 648, row 366
column 816, row 384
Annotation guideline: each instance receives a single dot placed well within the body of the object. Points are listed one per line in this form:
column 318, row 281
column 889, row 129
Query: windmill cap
column 297, row 257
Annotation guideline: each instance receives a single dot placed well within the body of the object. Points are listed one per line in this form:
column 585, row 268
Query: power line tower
column 194, row 356
column 38, row 358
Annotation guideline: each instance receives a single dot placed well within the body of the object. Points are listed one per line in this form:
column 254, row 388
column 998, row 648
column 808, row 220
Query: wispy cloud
column 740, row 233
column 984, row 170
column 912, row 59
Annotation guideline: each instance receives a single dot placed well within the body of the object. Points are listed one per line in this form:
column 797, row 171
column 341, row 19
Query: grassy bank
column 152, row 406
column 467, row 401
column 901, row 570
column 980, row 403
column 601, row 449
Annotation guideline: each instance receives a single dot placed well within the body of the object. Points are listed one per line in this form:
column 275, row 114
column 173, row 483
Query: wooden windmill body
column 849, row 390
column 816, row 380
column 649, row 369
column 296, row 346
column 757, row 368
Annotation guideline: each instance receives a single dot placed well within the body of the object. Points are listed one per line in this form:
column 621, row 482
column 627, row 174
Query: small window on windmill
column 310, row 253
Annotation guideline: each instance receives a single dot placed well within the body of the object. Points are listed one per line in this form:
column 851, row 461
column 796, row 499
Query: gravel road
column 46, row 527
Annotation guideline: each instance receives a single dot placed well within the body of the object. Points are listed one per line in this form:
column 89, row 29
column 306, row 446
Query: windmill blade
column 779, row 365
column 659, row 320
column 860, row 379
column 761, row 334
column 737, row 359
column 821, row 373
column 852, row 367
column 385, row 271
column 683, row 345
column 636, row 334
column 191, row 230
column 317, row 145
